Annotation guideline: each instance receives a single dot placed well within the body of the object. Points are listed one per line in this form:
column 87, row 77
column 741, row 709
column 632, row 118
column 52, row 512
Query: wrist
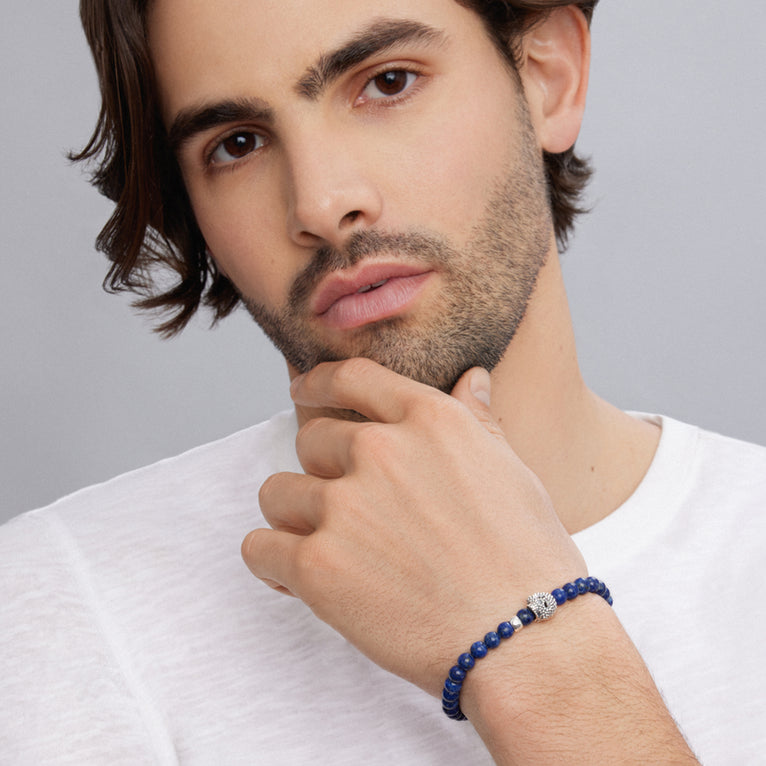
column 542, row 666
column 541, row 606
column 574, row 690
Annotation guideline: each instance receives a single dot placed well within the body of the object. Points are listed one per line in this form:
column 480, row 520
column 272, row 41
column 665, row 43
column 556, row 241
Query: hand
column 416, row 532
column 412, row 534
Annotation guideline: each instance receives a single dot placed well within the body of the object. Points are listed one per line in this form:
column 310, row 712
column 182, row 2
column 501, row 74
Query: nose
column 332, row 190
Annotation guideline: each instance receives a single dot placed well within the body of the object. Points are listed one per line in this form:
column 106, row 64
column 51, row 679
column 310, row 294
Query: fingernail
column 480, row 385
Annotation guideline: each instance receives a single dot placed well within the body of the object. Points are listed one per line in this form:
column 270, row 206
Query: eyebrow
column 379, row 36
column 197, row 119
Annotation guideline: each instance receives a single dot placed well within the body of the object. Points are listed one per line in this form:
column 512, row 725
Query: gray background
column 666, row 275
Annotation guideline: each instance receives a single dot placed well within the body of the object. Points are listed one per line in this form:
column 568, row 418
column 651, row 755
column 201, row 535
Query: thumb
column 473, row 389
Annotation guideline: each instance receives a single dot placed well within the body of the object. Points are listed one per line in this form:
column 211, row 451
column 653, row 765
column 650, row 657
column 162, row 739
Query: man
column 383, row 182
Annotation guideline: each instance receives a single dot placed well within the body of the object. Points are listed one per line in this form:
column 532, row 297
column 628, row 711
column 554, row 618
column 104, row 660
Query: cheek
column 244, row 242
column 451, row 164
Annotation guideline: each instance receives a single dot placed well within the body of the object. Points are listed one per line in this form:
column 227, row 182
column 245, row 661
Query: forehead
column 201, row 48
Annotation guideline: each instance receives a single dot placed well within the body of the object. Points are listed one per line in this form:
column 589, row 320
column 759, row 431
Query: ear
column 554, row 71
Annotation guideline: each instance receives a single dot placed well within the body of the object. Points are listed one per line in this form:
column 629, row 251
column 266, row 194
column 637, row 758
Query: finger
column 322, row 446
column 474, row 389
column 291, row 502
column 269, row 555
column 325, row 446
column 361, row 385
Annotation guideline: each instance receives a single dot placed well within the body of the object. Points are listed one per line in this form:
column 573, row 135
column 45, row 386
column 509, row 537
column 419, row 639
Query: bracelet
column 540, row 606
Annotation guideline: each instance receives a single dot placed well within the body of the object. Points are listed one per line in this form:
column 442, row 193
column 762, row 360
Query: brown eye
column 236, row 146
column 389, row 84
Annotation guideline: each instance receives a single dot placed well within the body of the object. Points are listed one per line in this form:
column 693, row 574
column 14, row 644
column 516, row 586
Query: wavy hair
column 153, row 228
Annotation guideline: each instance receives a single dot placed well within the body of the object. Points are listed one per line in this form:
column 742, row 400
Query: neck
column 589, row 455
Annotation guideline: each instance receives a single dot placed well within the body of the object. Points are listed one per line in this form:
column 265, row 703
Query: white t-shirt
column 132, row 633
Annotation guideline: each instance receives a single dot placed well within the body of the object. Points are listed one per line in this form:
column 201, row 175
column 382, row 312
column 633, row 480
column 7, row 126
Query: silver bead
column 516, row 622
column 543, row 605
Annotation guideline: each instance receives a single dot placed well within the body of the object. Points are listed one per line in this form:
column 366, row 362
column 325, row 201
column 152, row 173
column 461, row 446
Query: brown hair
column 153, row 225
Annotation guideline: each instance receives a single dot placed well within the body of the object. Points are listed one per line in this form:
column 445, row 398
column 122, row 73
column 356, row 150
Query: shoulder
column 94, row 586
column 689, row 540
column 699, row 489
column 233, row 464
column 699, row 466
column 137, row 519
column 716, row 468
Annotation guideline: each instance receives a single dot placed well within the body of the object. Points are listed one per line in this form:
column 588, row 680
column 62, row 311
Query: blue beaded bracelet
column 540, row 606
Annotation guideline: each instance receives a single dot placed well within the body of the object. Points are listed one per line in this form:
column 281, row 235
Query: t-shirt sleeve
column 67, row 695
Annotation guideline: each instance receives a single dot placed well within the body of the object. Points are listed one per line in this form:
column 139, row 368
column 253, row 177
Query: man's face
column 365, row 174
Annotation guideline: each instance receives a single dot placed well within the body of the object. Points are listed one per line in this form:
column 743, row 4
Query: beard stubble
column 487, row 285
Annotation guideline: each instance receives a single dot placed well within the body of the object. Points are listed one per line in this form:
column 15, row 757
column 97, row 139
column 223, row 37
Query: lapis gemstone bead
column 454, row 681
column 451, row 686
column 582, row 585
column 505, row 630
column 457, row 674
column 492, row 640
column 478, row 650
column 571, row 590
column 559, row 595
column 526, row 616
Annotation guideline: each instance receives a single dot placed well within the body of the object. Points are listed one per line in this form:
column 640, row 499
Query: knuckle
column 307, row 431
column 434, row 407
column 307, row 558
column 370, row 440
column 349, row 371
column 323, row 498
column 313, row 562
column 311, row 437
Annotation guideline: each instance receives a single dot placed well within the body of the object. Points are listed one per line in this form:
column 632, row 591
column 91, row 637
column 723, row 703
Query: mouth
column 370, row 288
column 374, row 291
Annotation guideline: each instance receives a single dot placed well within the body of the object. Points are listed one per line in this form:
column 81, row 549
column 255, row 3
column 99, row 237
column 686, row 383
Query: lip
column 338, row 302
